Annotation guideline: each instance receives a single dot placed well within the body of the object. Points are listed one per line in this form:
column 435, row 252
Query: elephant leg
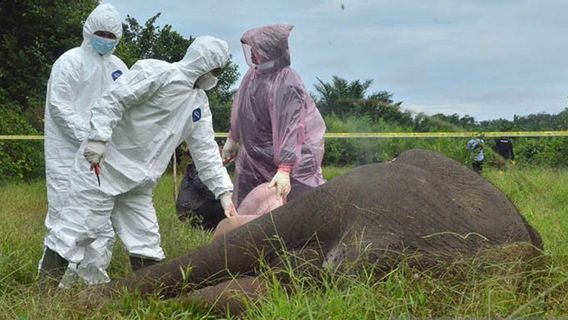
column 229, row 296
column 229, row 224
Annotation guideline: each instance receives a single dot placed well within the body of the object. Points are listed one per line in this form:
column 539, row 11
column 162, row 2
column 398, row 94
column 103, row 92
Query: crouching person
column 135, row 128
column 196, row 203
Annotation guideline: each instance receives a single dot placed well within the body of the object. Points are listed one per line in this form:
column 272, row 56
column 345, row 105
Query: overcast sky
column 486, row 58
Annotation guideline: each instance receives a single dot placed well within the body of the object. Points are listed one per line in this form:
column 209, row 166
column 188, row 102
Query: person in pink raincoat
column 275, row 125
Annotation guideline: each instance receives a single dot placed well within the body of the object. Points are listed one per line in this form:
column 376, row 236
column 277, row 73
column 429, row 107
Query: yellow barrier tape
column 388, row 135
column 462, row 134
column 21, row 137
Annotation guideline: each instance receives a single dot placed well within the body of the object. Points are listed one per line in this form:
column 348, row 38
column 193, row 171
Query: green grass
column 468, row 289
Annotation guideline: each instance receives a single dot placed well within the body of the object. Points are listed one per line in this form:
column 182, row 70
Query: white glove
column 230, row 149
column 282, row 182
column 94, row 151
column 227, row 204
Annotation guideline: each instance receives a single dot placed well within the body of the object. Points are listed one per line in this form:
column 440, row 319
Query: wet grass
column 465, row 289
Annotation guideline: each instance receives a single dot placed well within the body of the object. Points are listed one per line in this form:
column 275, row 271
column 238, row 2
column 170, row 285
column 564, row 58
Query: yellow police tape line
column 388, row 135
column 463, row 134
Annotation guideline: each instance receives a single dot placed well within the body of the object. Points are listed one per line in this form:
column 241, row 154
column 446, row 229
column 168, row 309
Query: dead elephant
column 420, row 203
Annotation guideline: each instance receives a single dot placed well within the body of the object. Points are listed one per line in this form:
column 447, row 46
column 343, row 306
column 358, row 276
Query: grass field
column 477, row 290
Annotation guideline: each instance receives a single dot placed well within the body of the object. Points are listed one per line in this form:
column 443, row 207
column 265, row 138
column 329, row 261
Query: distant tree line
column 34, row 34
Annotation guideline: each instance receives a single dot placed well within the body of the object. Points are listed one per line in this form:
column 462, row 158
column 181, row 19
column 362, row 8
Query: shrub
column 21, row 160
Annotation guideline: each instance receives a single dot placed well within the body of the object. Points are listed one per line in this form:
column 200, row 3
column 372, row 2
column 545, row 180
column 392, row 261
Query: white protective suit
column 78, row 78
column 153, row 109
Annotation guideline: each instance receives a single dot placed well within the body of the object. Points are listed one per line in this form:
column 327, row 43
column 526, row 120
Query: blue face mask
column 103, row 45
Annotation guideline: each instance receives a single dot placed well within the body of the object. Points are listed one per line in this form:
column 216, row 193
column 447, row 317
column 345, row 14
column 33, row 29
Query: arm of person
column 205, row 154
column 133, row 88
column 64, row 82
column 288, row 126
column 234, row 129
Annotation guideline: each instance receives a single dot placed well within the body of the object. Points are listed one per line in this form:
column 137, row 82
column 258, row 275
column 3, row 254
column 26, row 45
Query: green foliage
column 531, row 122
column 341, row 151
column 442, row 122
column 22, row 160
column 150, row 41
column 34, row 35
column 549, row 152
column 345, row 99
column 347, row 108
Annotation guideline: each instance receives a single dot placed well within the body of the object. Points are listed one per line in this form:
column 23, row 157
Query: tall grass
column 465, row 289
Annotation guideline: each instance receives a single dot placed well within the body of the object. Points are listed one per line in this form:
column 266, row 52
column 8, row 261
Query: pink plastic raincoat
column 274, row 118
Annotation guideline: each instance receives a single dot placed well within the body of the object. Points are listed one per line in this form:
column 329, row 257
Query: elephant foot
column 95, row 297
column 231, row 296
column 231, row 223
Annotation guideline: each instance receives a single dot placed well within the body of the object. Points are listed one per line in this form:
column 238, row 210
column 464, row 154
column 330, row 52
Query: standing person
column 504, row 150
column 153, row 109
column 275, row 121
column 78, row 78
column 475, row 148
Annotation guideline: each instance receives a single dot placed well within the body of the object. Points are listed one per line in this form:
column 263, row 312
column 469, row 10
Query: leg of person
column 476, row 166
column 134, row 220
column 500, row 163
column 52, row 266
column 84, row 214
column 93, row 267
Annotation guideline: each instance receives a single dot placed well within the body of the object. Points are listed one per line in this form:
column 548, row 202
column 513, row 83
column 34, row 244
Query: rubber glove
column 227, row 204
column 94, row 152
column 230, row 149
column 282, row 182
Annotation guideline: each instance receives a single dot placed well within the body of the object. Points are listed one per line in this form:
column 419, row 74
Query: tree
column 340, row 97
column 442, row 122
column 150, row 41
column 349, row 98
column 33, row 35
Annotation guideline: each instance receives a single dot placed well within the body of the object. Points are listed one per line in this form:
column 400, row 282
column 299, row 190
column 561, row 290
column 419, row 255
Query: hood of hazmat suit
column 274, row 118
column 150, row 111
column 77, row 79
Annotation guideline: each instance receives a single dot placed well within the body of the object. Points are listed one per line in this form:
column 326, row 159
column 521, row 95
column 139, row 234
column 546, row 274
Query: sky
column 485, row 58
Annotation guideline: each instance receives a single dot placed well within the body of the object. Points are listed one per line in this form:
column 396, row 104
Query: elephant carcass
column 422, row 202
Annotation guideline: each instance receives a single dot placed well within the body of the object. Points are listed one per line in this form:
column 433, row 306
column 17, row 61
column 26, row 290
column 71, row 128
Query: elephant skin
column 422, row 202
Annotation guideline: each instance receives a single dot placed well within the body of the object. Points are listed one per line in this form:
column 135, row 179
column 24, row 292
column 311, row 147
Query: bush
column 549, row 152
column 21, row 160
column 350, row 151
column 532, row 152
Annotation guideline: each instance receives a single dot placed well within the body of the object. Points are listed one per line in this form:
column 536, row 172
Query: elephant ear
column 261, row 200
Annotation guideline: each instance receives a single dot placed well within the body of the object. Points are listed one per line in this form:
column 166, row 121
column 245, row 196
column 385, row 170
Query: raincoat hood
column 104, row 18
column 268, row 45
column 205, row 53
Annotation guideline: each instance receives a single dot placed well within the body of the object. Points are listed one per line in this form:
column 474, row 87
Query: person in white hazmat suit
column 78, row 78
column 154, row 108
